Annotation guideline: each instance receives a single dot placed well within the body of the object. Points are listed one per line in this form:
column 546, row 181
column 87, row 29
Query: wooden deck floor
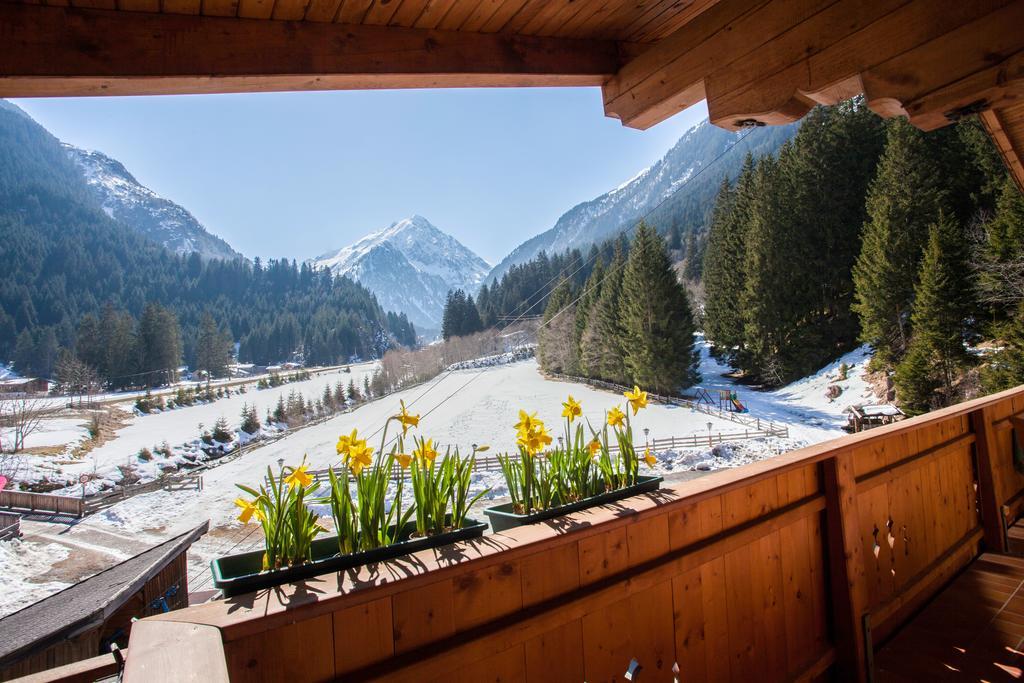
column 973, row 631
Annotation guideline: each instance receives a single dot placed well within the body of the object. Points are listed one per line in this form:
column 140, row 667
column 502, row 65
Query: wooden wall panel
column 556, row 655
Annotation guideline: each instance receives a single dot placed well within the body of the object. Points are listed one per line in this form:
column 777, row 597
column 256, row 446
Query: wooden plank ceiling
column 756, row 62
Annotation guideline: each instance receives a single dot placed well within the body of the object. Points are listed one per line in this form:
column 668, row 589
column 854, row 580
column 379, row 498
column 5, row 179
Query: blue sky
column 298, row 174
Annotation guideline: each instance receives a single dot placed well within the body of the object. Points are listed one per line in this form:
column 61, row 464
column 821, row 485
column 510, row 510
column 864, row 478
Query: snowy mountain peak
column 410, row 266
column 126, row 200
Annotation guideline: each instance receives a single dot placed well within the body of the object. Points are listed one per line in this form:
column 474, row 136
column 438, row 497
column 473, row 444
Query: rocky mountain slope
column 410, row 266
column 617, row 209
column 126, row 200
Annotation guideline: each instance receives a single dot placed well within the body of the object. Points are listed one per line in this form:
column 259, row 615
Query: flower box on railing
column 503, row 517
column 243, row 572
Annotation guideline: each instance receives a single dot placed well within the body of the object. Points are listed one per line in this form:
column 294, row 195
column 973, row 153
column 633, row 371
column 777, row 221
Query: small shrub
column 844, row 371
column 145, row 455
column 164, row 449
column 95, row 425
column 144, row 403
column 250, row 421
column 128, row 474
column 221, row 432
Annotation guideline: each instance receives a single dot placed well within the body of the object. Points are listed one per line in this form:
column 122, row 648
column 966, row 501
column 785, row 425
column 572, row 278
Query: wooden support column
column 988, row 498
column 846, row 566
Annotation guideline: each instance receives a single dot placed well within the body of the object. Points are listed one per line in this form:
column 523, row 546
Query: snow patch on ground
column 23, row 562
column 147, row 512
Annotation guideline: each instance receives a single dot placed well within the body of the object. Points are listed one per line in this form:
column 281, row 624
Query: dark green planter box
column 242, row 573
column 502, row 517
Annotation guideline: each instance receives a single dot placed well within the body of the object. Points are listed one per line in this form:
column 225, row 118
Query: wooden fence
column 786, row 569
column 10, row 526
column 24, row 501
column 179, row 482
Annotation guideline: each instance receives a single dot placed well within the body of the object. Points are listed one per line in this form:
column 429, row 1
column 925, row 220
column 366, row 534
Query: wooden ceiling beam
column 770, row 61
column 58, row 51
column 1003, row 137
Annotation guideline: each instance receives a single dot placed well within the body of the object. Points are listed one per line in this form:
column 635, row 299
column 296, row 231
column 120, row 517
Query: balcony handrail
column 819, row 484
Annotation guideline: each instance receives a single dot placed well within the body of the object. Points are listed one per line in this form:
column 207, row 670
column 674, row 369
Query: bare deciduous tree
column 20, row 417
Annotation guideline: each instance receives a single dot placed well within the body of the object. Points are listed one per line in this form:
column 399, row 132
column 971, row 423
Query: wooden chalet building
column 84, row 620
column 877, row 556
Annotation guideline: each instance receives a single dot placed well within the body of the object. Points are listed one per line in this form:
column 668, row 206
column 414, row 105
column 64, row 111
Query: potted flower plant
column 578, row 473
column 371, row 520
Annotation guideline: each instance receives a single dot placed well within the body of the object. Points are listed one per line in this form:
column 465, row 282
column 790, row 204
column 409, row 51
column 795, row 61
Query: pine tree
column 656, row 319
column 692, row 269
column 250, row 420
column 213, row 351
column 602, row 339
column 916, row 381
column 585, row 310
column 724, row 277
column 942, row 303
column 675, row 236
column 280, row 413
column 160, row 340
column 903, row 200
column 768, row 301
column 353, row 392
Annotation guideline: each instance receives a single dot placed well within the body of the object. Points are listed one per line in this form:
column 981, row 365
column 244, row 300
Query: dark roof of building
column 87, row 603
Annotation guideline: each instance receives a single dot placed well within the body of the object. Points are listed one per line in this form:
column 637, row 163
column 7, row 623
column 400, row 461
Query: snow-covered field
column 175, row 427
column 459, row 408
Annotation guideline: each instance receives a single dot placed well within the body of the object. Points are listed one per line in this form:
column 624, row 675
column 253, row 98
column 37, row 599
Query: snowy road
column 459, row 408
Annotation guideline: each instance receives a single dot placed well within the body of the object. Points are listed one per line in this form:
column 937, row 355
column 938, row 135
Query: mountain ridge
column 161, row 220
column 663, row 188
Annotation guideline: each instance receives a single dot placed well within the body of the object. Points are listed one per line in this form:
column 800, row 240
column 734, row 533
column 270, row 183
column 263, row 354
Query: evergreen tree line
column 629, row 322
column 461, row 317
column 781, row 245
column 863, row 230
column 945, row 224
column 63, row 259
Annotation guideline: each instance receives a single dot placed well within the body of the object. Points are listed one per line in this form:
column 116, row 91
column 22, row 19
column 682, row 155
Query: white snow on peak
column 410, row 266
column 125, row 199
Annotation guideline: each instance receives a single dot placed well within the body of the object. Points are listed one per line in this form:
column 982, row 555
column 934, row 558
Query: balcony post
column 846, row 565
column 988, row 498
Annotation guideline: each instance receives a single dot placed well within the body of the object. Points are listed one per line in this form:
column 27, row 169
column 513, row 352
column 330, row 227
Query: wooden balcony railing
column 783, row 570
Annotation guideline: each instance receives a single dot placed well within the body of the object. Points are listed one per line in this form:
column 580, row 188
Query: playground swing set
column 727, row 400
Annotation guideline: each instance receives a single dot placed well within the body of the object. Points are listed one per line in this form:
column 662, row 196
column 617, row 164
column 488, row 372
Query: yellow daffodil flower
column 344, row 443
column 426, row 451
column 359, row 456
column 649, row 458
column 615, row 417
column 571, row 409
column 535, row 440
column 637, row 399
column 298, row 477
column 406, row 419
column 249, row 509
column 526, row 422
column 594, row 447
column 403, row 460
